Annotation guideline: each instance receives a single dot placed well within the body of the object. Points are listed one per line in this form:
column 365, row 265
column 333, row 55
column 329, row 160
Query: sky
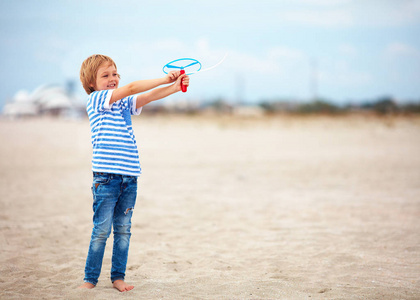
column 343, row 51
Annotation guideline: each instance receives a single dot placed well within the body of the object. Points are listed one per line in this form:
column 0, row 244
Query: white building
column 51, row 100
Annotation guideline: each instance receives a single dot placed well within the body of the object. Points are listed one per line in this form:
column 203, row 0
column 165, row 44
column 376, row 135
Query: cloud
column 403, row 63
column 323, row 18
column 340, row 73
column 347, row 13
column 279, row 61
column 324, row 2
column 387, row 13
column 398, row 49
column 408, row 12
column 282, row 52
column 348, row 50
column 245, row 62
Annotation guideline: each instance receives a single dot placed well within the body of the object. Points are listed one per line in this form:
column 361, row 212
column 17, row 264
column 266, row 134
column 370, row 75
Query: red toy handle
column 183, row 87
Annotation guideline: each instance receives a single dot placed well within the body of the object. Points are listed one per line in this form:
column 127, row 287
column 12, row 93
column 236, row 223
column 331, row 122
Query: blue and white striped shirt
column 114, row 144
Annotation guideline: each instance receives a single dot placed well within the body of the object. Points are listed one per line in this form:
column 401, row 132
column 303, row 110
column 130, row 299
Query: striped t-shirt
column 114, row 144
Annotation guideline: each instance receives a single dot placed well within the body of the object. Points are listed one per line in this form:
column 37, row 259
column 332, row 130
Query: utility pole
column 314, row 79
column 240, row 90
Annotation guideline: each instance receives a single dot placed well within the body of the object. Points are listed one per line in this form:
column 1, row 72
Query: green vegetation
column 380, row 106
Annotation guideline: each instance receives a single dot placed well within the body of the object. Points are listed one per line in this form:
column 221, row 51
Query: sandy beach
column 267, row 208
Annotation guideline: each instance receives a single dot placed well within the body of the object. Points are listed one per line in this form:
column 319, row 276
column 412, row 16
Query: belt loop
column 99, row 173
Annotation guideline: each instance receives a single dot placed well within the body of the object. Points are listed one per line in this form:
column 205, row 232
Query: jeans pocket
column 100, row 180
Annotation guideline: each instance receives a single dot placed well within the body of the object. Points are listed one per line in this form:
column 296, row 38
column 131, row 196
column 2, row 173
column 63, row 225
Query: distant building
column 50, row 100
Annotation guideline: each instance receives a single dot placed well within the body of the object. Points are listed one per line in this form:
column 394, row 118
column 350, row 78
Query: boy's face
column 107, row 78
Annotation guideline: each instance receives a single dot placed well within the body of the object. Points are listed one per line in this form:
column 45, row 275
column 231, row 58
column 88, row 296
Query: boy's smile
column 107, row 78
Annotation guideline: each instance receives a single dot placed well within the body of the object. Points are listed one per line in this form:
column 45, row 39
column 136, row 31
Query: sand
column 274, row 208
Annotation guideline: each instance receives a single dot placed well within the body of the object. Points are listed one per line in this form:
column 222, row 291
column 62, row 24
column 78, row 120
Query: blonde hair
column 90, row 68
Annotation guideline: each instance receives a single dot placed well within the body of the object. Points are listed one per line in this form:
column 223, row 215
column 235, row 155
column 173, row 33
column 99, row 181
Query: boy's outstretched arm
column 142, row 86
column 163, row 92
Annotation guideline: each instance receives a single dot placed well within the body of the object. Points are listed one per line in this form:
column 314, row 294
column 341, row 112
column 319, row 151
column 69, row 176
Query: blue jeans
column 114, row 197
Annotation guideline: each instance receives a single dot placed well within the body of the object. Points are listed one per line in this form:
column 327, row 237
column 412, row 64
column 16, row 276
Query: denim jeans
column 114, row 197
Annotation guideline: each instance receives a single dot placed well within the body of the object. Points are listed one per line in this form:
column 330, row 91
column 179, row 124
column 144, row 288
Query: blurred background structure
column 50, row 100
column 283, row 55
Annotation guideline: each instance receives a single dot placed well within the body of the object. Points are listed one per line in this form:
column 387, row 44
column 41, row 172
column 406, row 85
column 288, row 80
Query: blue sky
column 340, row 50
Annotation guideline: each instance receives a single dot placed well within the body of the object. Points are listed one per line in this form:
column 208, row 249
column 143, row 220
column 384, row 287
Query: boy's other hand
column 185, row 79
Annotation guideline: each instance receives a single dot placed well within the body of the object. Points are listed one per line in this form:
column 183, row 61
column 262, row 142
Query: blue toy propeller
column 191, row 65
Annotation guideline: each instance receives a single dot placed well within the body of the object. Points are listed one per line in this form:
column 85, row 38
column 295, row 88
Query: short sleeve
column 133, row 109
column 99, row 100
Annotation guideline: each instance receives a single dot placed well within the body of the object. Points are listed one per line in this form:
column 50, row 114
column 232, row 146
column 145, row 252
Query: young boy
column 115, row 162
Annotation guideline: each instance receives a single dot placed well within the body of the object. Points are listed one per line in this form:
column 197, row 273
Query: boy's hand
column 172, row 76
column 185, row 79
column 176, row 76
